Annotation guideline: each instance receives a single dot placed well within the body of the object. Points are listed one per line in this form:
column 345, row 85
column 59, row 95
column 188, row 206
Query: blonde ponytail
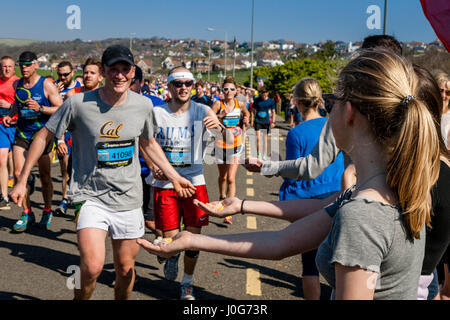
column 378, row 82
column 413, row 167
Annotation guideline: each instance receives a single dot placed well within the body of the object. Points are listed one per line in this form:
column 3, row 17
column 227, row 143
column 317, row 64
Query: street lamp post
column 251, row 60
column 209, row 61
column 131, row 40
column 226, row 44
column 385, row 17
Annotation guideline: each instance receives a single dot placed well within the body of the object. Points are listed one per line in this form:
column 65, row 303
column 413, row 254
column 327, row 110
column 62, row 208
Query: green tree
column 281, row 79
column 327, row 52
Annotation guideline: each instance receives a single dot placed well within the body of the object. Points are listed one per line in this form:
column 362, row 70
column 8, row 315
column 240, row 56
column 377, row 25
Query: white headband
column 180, row 75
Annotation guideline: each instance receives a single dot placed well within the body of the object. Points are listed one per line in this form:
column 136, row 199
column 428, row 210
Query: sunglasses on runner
column 25, row 63
column 179, row 84
column 64, row 74
column 229, row 89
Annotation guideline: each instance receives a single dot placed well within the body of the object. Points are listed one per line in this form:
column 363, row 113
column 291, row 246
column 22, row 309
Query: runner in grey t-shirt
column 108, row 125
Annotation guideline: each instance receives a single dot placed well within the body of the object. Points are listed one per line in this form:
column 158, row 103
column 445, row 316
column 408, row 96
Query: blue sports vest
column 30, row 122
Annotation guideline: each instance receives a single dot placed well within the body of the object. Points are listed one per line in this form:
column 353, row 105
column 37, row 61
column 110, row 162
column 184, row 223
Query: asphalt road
column 38, row 264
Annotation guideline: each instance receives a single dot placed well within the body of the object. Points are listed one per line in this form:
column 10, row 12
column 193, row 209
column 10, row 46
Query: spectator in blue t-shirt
column 300, row 142
column 263, row 118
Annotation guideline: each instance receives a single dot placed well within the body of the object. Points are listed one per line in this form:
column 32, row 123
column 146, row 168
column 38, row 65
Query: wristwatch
column 41, row 109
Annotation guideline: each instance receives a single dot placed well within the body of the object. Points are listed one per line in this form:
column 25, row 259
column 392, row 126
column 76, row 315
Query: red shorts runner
column 169, row 208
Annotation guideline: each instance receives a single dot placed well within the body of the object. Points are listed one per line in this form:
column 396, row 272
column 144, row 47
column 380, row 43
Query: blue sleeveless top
column 30, row 121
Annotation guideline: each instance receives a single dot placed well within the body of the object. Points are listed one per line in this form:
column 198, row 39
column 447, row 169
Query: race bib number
column 115, row 154
column 178, row 156
column 231, row 122
column 262, row 114
column 29, row 114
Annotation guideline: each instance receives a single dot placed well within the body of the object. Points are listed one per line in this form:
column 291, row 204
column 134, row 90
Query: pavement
column 40, row 264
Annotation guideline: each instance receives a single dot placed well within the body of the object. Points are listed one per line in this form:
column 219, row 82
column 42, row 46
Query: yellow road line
column 250, row 192
column 253, row 286
column 249, row 181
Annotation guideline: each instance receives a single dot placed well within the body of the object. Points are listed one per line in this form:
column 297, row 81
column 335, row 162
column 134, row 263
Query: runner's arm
column 245, row 113
column 151, row 147
column 53, row 97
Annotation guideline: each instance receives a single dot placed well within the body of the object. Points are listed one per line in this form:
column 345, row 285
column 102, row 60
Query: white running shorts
column 121, row 225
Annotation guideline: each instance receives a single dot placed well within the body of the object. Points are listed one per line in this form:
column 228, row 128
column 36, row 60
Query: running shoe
column 62, row 208
column 171, row 267
column 10, row 182
column 45, row 220
column 30, row 182
column 4, row 204
column 187, row 292
column 228, row 220
column 24, row 222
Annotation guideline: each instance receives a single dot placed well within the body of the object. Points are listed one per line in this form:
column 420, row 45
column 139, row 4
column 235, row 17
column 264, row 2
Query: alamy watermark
column 74, row 281
column 73, row 21
column 374, row 20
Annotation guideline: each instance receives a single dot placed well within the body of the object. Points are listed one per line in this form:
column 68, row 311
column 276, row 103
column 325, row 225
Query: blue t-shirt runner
column 263, row 109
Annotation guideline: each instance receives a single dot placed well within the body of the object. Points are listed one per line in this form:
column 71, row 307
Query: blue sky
column 303, row 21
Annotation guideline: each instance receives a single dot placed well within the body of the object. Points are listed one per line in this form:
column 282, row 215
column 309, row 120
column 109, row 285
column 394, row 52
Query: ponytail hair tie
column 407, row 100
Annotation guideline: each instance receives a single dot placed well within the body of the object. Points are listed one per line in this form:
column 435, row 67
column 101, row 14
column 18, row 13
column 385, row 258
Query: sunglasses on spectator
column 447, row 92
column 64, row 74
column 330, row 100
column 229, row 89
column 179, row 84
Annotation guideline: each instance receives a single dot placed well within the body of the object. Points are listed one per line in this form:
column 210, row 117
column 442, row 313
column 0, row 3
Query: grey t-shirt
column 105, row 146
column 371, row 235
column 182, row 139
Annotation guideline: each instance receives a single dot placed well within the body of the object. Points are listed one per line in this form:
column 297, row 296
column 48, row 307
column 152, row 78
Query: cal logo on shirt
column 107, row 130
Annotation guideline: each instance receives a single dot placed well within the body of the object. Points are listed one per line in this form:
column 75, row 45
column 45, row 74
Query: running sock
column 27, row 210
column 187, row 279
column 48, row 210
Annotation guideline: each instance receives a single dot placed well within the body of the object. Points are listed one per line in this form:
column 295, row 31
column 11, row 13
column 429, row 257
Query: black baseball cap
column 117, row 53
column 138, row 76
column 27, row 57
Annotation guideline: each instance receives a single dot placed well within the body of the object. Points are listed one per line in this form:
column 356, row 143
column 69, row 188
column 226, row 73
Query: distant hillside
column 16, row 42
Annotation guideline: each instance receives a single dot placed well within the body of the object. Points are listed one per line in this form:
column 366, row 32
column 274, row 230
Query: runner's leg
column 45, row 163
column 91, row 243
column 190, row 263
column 231, row 177
column 258, row 141
column 19, row 154
column 125, row 252
column 222, row 180
column 4, row 172
column 63, row 163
